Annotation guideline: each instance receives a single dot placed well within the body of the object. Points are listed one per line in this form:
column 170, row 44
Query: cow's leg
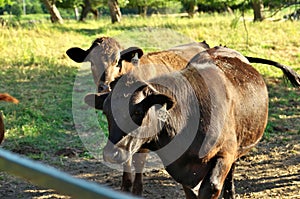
column 127, row 177
column 212, row 184
column 229, row 192
column 189, row 194
column 139, row 160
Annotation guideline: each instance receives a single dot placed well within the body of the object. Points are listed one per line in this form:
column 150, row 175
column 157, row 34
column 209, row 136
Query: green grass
column 35, row 69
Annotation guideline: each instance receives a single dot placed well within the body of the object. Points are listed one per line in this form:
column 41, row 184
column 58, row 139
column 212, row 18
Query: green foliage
column 5, row 2
column 151, row 3
column 34, row 7
column 279, row 3
column 123, row 3
column 141, row 6
column 68, row 3
column 221, row 3
column 16, row 10
column 189, row 6
column 148, row 3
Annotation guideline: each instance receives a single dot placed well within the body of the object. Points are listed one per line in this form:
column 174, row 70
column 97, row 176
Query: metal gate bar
column 50, row 177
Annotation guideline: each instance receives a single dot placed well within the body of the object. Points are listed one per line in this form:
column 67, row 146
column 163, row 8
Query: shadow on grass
column 84, row 31
column 101, row 30
column 284, row 105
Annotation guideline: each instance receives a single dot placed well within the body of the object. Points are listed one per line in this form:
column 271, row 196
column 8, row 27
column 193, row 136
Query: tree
column 86, row 5
column 14, row 7
column 141, row 5
column 70, row 4
column 258, row 8
column 86, row 8
column 16, row 10
column 144, row 5
column 115, row 12
column 54, row 13
column 221, row 5
column 190, row 6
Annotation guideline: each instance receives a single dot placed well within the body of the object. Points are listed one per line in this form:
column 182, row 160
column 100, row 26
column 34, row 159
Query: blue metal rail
column 50, row 177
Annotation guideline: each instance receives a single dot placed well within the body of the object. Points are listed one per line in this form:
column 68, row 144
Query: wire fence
column 49, row 177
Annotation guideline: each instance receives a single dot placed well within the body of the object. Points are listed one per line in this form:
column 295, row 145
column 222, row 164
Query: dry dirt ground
column 271, row 170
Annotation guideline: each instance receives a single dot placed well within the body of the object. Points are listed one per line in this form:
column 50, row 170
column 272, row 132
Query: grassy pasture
column 35, row 69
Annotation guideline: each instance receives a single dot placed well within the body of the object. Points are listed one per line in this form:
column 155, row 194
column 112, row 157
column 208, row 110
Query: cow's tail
column 6, row 97
column 291, row 75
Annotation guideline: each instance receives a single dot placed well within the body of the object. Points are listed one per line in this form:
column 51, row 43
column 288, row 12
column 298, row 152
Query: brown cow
column 5, row 97
column 199, row 120
column 109, row 62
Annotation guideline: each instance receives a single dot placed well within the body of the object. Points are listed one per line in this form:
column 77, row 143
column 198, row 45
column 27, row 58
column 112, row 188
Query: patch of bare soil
column 271, row 170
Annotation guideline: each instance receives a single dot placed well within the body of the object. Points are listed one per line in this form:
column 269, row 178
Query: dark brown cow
column 109, row 62
column 199, row 120
column 5, row 97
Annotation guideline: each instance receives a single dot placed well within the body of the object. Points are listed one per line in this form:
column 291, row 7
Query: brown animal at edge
column 109, row 62
column 231, row 106
column 7, row 98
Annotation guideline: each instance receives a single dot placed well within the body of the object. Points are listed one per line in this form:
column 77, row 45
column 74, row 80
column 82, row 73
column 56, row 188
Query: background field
column 35, row 69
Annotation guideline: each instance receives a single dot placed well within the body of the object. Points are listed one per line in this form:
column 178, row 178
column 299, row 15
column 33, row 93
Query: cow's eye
column 138, row 113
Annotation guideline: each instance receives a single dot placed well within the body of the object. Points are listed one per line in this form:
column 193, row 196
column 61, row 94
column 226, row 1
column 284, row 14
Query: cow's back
column 188, row 51
column 158, row 63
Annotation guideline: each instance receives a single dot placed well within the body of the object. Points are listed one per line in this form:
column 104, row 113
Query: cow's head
column 107, row 59
column 134, row 118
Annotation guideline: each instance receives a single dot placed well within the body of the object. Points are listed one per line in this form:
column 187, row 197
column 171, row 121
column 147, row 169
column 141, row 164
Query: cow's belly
column 188, row 172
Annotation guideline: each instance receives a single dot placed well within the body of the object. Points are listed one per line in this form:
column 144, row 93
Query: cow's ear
column 130, row 53
column 96, row 100
column 77, row 54
column 161, row 99
column 153, row 97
